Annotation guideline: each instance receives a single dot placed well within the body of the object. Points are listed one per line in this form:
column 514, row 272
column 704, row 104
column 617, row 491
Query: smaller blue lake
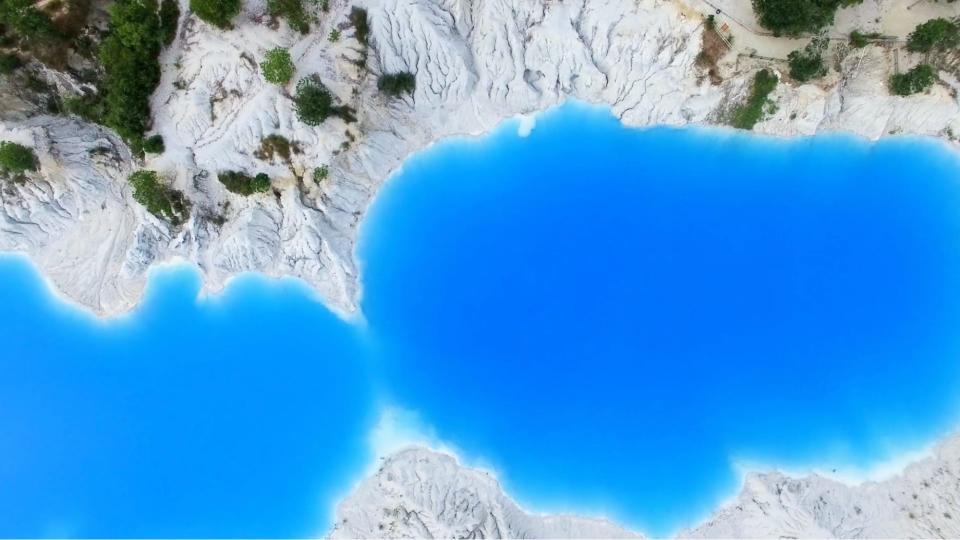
column 612, row 318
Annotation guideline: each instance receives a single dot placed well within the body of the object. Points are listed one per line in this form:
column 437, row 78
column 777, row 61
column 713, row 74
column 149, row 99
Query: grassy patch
column 158, row 199
column 747, row 114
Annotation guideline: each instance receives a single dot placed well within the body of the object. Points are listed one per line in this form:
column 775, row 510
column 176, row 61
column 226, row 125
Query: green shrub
column 292, row 11
column 361, row 24
column 807, row 63
column 169, row 17
column 334, row 35
column 277, row 67
column 938, row 34
column 10, row 62
column 397, row 84
column 16, row 158
column 242, row 184
column 153, row 145
column 860, row 39
column 750, row 112
column 158, row 199
column 129, row 56
column 795, row 17
column 219, row 13
column 918, row 79
column 320, row 174
column 313, row 101
column 276, row 145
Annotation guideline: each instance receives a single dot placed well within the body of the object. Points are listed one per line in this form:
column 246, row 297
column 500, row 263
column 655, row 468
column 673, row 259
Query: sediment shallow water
column 613, row 319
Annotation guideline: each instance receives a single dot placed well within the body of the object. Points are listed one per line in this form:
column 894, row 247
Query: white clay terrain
column 477, row 63
column 419, row 493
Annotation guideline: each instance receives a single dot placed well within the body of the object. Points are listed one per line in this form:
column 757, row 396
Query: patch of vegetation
column 242, row 184
column 28, row 22
column 860, row 39
column 158, row 199
column 276, row 145
column 795, row 17
column 169, row 17
column 334, row 35
column 747, row 114
column 292, row 11
column 940, row 34
column 807, row 63
column 129, row 56
column 219, row 13
column 361, row 24
column 320, row 174
column 324, row 5
column 10, row 62
column 153, row 145
column 277, row 66
column 918, row 79
column 16, row 158
column 314, row 103
column 88, row 106
column 397, row 84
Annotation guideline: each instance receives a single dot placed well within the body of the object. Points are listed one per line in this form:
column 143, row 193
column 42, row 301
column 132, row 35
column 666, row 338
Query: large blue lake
column 612, row 319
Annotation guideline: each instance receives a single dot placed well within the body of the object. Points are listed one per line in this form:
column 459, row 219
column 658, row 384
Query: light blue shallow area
column 612, row 318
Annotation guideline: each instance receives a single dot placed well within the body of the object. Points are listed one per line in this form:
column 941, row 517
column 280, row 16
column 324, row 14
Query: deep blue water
column 611, row 318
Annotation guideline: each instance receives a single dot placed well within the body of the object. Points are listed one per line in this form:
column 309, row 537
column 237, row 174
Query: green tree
column 918, row 79
column 292, row 11
column 16, row 158
column 277, row 67
column 940, row 34
column 397, row 84
column 313, row 101
column 158, row 199
column 169, row 17
column 361, row 24
column 795, row 17
column 807, row 63
column 129, row 56
column 153, row 145
column 219, row 13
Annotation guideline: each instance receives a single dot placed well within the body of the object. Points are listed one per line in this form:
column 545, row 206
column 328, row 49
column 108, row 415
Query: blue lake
column 611, row 318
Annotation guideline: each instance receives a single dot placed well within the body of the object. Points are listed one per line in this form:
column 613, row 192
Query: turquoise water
column 611, row 318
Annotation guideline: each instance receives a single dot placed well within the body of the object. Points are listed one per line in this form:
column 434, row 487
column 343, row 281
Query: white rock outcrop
column 419, row 493
column 477, row 62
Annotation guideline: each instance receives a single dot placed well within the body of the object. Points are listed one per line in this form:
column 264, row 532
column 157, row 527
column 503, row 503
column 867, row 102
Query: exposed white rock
column 418, row 493
column 425, row 494
column 477, row 63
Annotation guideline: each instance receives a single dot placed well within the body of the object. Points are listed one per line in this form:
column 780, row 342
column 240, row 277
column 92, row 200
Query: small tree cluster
column 807, row 63
column 219, row 13
column 158, row 199
column 795, row 17
column 397, row 84
column 129, row 56
column 277, row 66
column 940, row 34
column 860, row 39
column 918, row 79
column 169, row 18
column 320, row 174
column 292, row 11
column 242, row 184
column 16, row 158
